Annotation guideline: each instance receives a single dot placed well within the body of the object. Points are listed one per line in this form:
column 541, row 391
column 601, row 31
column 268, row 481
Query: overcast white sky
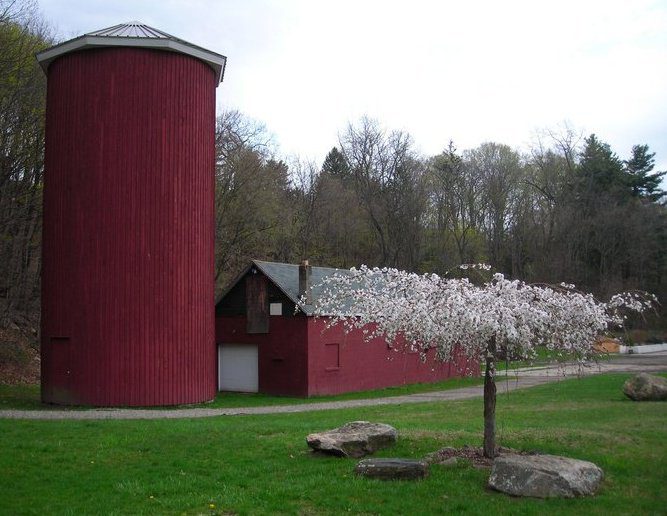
column 471, row 71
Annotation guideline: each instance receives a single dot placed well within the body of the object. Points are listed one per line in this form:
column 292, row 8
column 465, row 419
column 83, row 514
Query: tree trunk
column 490, row 401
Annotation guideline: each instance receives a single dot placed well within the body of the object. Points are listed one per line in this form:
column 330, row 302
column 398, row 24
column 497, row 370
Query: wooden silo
column 127, row 281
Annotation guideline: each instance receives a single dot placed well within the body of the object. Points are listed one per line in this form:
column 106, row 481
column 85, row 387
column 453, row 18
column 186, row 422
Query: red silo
column 128, row 232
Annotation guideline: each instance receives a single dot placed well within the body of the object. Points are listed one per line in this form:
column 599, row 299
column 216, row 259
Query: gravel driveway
column 528, row 377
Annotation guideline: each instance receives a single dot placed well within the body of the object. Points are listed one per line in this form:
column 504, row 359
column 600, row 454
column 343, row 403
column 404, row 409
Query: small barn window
column 276, row 309
column 331, row 357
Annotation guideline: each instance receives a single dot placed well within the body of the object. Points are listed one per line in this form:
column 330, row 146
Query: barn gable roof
column 285, row 276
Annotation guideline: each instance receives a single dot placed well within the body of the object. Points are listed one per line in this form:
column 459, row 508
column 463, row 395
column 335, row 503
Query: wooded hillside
column 568, row 209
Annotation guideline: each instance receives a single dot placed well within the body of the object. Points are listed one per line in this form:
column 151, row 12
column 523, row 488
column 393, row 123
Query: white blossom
column 457, row 315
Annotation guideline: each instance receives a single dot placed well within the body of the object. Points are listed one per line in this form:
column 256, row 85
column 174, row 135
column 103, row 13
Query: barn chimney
column 305, row 271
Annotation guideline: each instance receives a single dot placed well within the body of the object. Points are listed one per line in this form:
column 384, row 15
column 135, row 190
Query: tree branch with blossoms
column 455, row 315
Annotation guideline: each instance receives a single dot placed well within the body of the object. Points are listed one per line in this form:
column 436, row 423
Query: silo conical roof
column 133, row 34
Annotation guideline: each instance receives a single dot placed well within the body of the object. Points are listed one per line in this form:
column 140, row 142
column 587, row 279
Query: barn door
column 257, row 305
column 238, row 368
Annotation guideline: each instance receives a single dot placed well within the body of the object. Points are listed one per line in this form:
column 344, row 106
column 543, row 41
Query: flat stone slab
column 355, row 439
column 544, row 476
column 646, row 387
column 392, row 469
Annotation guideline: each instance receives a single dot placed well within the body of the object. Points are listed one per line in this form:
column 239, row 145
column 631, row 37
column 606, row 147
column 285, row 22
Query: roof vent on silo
column 133, row 34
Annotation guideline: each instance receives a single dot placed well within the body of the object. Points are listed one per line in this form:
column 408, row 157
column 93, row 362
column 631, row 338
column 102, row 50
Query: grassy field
column 26, row 397
column 542, row 357
column 261, row 465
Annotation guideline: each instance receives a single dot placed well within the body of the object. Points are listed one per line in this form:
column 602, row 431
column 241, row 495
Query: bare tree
column 250, row 186
column 458, row 201
column 305, row 179
column 390, row 184
column 22, row 103
column 499, row 169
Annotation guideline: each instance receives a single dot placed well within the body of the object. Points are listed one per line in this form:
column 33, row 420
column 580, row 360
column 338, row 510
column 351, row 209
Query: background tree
column 22, row 103
column 389, row 181
column 600, row 170
column 498, row 168
column 335, row 164
column 251, row 195
column 457, row 205
column 643, row 183
column 344, row 233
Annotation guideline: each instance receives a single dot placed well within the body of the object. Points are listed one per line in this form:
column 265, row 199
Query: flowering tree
column 458, row 316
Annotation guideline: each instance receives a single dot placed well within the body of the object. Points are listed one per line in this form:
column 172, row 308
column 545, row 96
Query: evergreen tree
column 601, row 171
column 336, row 164
column 644, row 184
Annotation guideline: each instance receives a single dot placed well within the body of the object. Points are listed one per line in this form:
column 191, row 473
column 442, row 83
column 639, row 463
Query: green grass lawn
column 261, row 465
column 26, row 397
column 544, row 357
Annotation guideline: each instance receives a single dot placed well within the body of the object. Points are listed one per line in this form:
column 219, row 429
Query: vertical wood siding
column 282, row 353
column 370, row 365
column 127, row 281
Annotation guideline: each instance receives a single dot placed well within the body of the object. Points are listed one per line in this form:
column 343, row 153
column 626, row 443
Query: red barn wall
column 127, row 281
column 367, row 365
column 282, row 352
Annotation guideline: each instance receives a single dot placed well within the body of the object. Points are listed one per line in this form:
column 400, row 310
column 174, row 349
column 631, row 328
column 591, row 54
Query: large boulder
column 355, row 439
column 392, row 469
column 544, row 476
column 646, row 387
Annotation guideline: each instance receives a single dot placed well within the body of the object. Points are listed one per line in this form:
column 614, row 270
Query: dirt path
column 529, row 377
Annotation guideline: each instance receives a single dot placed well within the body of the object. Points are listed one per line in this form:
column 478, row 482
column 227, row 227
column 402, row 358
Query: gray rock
column 392, row 469
column 544, row 476
column 646, row 387
column 355, row 439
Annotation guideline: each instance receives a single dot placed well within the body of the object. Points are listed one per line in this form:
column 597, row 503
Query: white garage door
column 237, row 368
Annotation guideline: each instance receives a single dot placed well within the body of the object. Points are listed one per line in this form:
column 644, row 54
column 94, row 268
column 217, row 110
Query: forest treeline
column 568, row 209
column 22, row 106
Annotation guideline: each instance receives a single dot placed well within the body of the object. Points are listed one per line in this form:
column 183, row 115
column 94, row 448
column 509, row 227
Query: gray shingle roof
column 286, row 277
column 133, row 34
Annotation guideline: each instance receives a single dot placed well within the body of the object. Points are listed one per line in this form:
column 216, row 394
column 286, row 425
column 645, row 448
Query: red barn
column 127, row 280
column 264, row 346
